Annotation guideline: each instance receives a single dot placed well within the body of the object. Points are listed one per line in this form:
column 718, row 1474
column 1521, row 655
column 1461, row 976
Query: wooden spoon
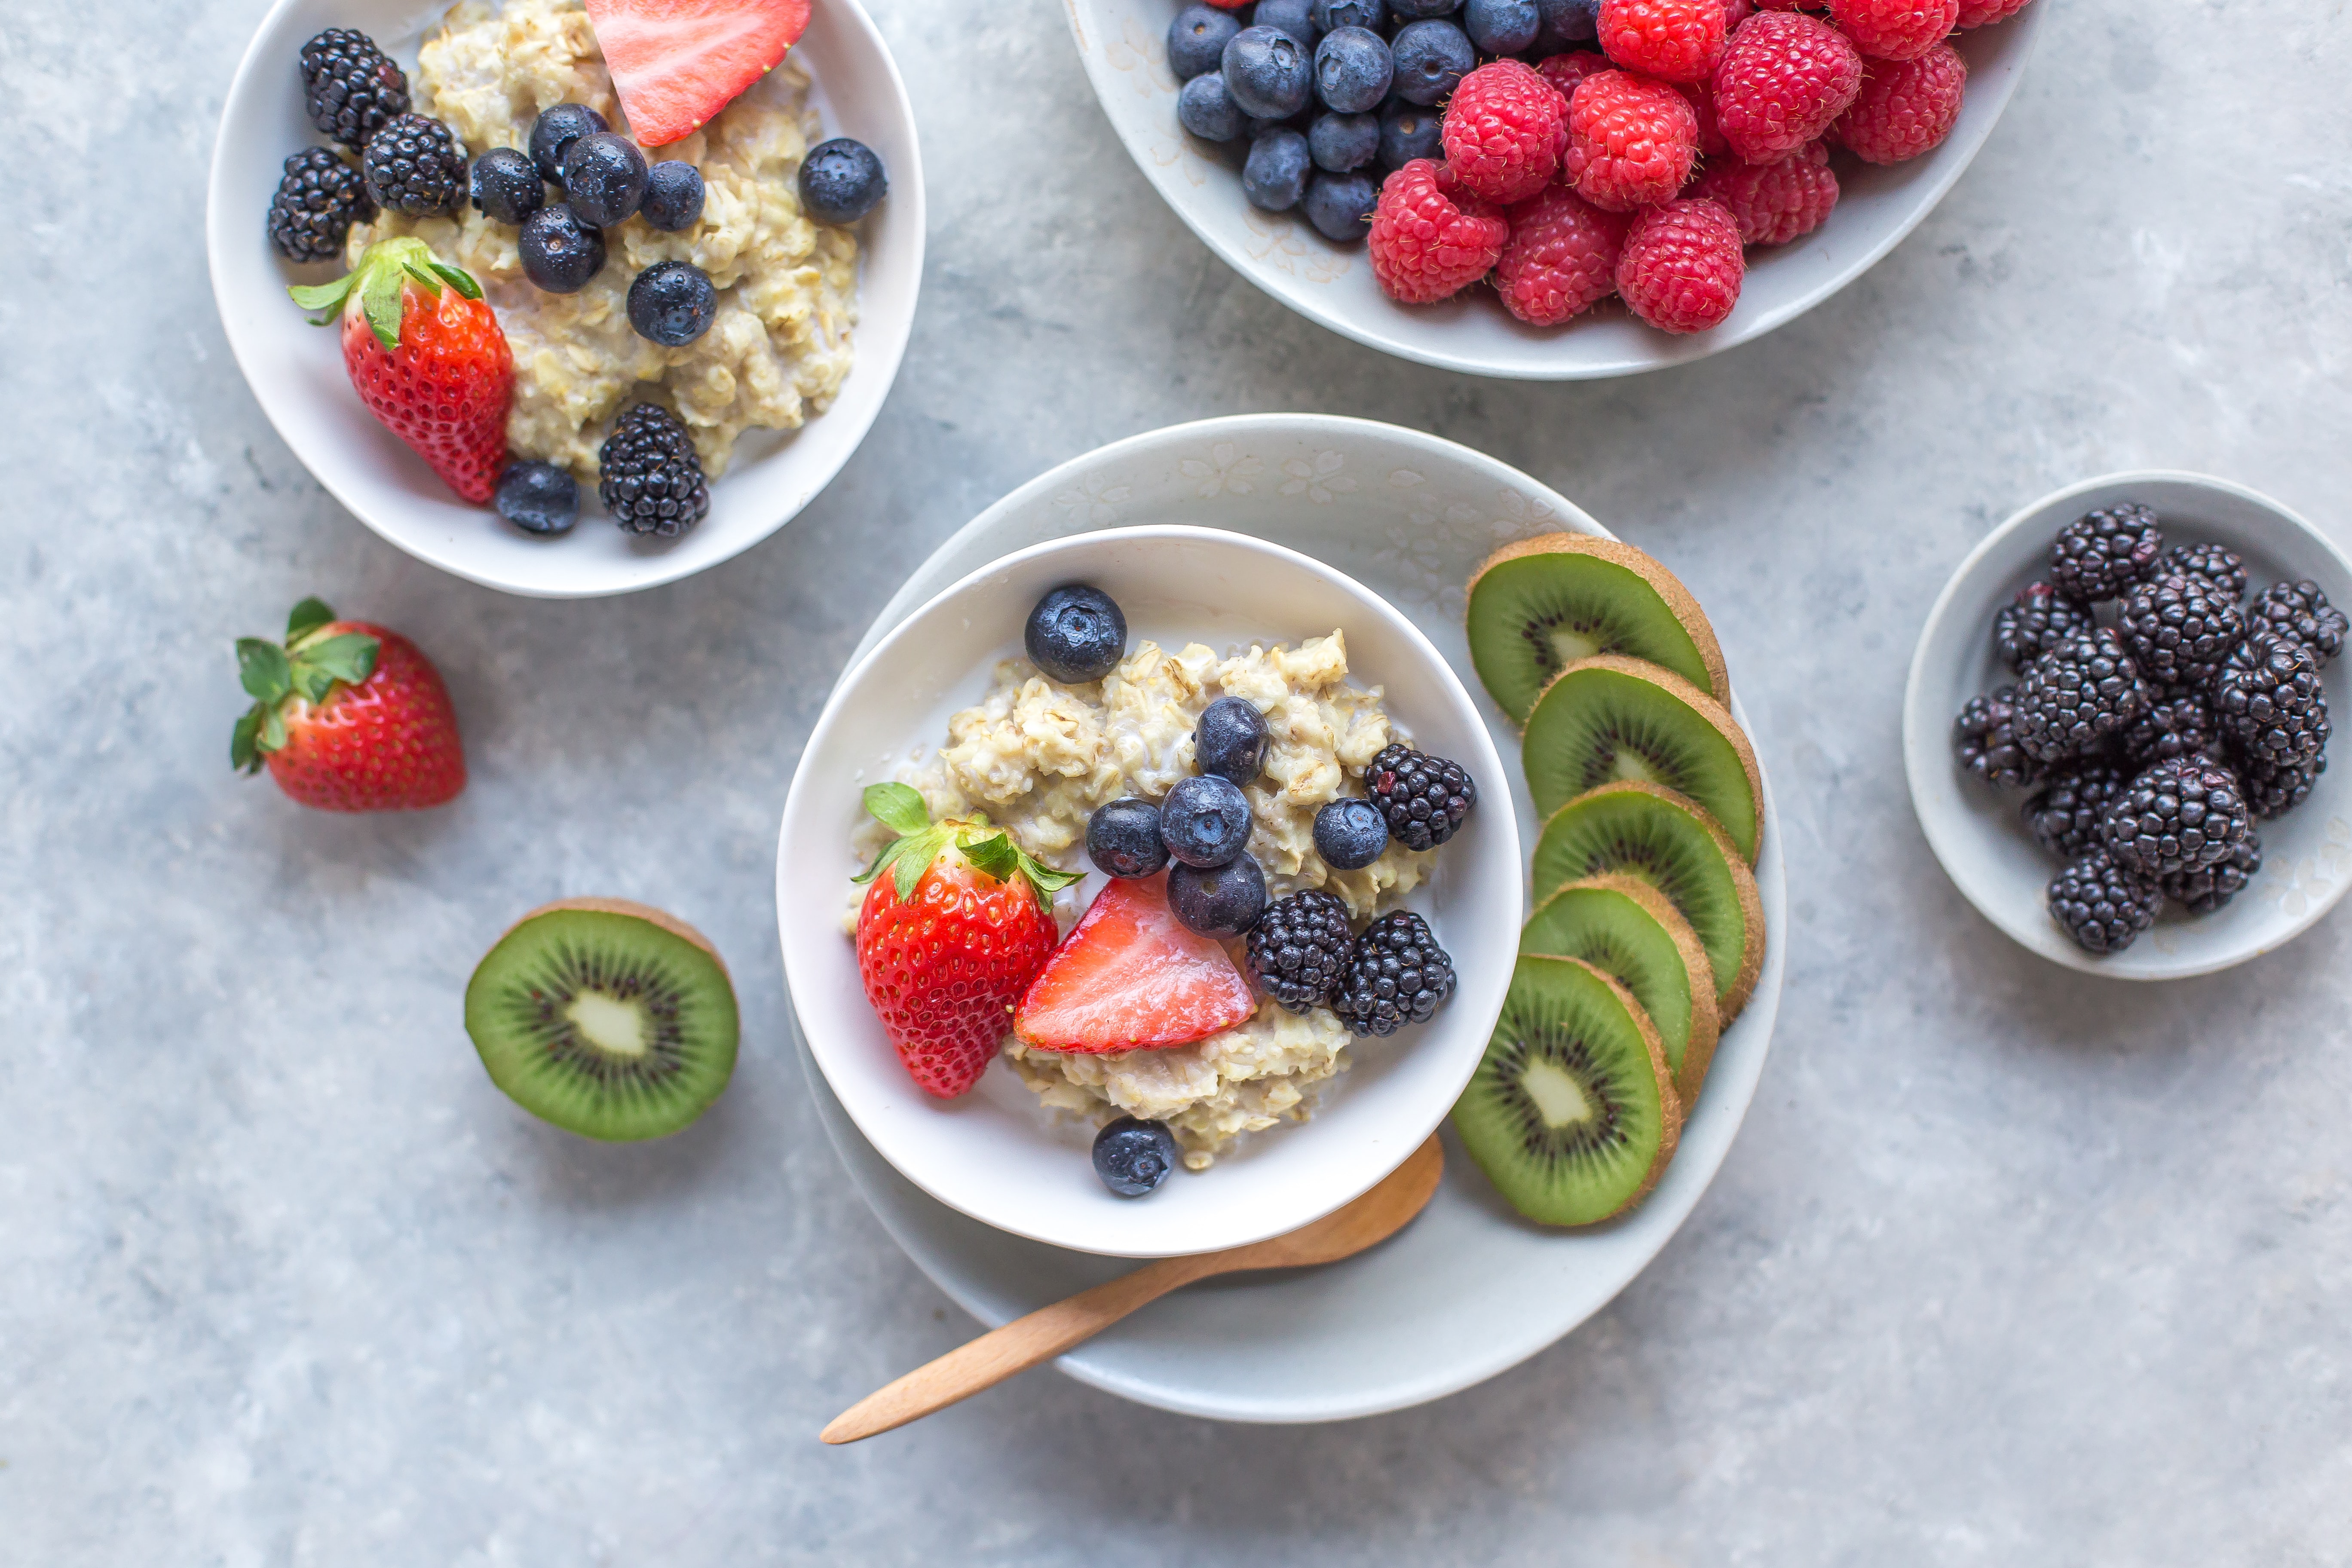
column 1049, row 1331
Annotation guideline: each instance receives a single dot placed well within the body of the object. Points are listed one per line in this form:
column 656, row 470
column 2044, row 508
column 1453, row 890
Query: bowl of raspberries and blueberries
column 2145, row 660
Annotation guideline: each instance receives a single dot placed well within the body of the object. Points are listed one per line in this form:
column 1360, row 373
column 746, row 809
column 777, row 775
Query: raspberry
column 1904, row 110
column 1631, row 142
column 1737, row 12
column 1775, row 203
column 1431, row 238
column 1983, row 13
column 1782, row 83
column 1674, row 40
column 1895, row 30
column 1561, row 257
column 1702, row 101
column 1681, row 266
column 1501, row 132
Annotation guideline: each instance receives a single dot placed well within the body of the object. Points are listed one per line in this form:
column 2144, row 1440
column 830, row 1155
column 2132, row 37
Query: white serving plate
column 296, row 370
column 1469, row 1289
column 1123, row 44
column 1977, row 831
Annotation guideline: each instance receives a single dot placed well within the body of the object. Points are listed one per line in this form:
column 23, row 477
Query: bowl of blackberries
column 2117, row 726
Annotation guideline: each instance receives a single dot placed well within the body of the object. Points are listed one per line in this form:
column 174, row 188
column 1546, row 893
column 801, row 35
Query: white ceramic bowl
column 995, row 1155
column 296, row 370
column 1123, row 43
column 1977, row 831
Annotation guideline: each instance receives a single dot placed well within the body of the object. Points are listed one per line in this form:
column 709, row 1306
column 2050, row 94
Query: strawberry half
column 948, row 940
column 1129, row 977
column 347, row 716
column 676, row 63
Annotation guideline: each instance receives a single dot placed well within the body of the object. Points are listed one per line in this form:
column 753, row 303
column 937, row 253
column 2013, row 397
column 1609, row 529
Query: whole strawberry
column 347, row 716
column 426, row 354
column 948, row 940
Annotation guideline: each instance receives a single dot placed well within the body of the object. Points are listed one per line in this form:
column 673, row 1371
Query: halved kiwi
column 1538, row 606
column 1570, row 1113
column 1630, row 931
column 1606, row 719
column 605, row 1018
column 1667, row 841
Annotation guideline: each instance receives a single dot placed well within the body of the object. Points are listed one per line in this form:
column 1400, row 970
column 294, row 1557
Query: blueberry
column 1431, row 58
column 1408, row 132
column 1224, row 901
column 841, row 180
column 1229, row 740
column 507, row 186
column 1352, row 67
column 1134, row 1157
column 1268, row 73
column 1343, row 141
column 1295, row 17
column 1565, row 24
column 673, row 195
column 1075, row 633
column 672, row 302
column 553, row 133
column 1349, row 834
column 1196, row 39
column 538, row 498
column 1123, row 838
column 1275, row 177
column 604, row 178
column 1206, row 109
column 1331, row 14
column 560, row 253
column 1501, row 27
column 1205, row 821
column 1340, row 207
column 1418, row 10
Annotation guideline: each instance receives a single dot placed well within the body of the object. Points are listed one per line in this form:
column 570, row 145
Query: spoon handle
column 1016, row 1347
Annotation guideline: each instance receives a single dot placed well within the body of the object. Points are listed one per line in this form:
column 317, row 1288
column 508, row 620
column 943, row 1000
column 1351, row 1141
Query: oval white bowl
column 296, row 370
column 1977, row 831
column 1123, row 44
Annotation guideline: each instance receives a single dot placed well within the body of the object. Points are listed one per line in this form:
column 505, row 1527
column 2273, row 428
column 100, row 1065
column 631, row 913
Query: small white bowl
column 1977, row 832
column 995, row 1155
column 1124, row 45
column 296, row 370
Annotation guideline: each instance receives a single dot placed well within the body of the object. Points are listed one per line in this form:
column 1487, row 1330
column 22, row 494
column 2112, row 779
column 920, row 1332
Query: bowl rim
column 1924, row 745
column 1484, row 1001
column 881, row 351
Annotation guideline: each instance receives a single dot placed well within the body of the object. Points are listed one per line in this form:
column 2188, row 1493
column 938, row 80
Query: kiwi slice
column 1668, row 842
column 1630, row 931
column 1606, row 719
column 605, row 1017
column 1570, row 1113
column 1538, row 606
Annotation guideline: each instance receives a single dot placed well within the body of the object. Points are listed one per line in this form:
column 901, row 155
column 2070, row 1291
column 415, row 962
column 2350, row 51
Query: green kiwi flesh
column 605, row 1018
column 1640, row 830
column 1538, row 606
column 1627, row 929
column 1570, row 1113
column 1606, row 719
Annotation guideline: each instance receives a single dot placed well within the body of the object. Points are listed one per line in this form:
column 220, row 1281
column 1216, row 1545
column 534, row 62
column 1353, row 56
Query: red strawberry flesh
column 1128, row 977
column 677, row 63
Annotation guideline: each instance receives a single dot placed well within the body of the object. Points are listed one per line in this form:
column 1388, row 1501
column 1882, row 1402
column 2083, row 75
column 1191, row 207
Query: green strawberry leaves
column 921, row 841
column 377, row 280
column 308, row 666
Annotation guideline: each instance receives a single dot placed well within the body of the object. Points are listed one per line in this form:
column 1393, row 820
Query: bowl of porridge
column 1286, row 1114
column 810, row 324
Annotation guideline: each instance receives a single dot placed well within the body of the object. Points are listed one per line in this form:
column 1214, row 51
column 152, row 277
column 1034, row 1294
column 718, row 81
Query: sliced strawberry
column 676, row 63
column 1128, row 977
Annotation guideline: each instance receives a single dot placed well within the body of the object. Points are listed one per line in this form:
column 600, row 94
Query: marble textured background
column 2009, row 1266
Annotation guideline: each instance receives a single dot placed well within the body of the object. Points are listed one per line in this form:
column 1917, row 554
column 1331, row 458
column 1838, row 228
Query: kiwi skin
column 1706, row 667
column 1705, row 1024
column 1747, row 835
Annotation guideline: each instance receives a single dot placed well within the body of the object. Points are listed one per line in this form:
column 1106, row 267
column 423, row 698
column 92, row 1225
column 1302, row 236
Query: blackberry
column 2276, row 791
column 2041, row 618
column 2179, row 724
column 2101, row 555
column 2204, row 891
column 2179, row 628
column 2065, row 815
column 1299, row 948
column 1396, row 975
column 2179, row 815
column 1984, row 741
column 2102, row 906
column 2216, row 565
column 2268, row 700
column 350, row 88
column 1424, row 797
column 318, row 200
column 650, row 481
column 2301, row 611
column 414, row 166
column 2077, row 695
